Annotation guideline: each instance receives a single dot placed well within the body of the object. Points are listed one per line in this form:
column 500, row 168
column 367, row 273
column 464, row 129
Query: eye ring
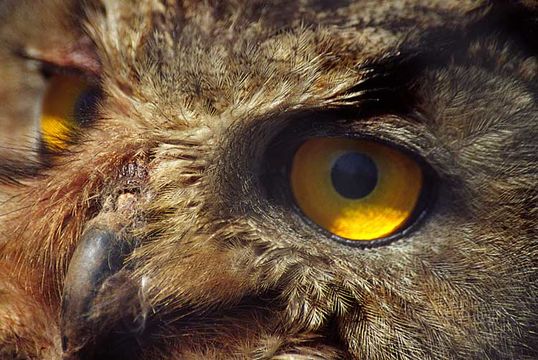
column 424, row 202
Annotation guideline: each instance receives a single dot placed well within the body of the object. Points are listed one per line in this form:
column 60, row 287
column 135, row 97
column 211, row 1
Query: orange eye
column 355, row 189
column 69, row 102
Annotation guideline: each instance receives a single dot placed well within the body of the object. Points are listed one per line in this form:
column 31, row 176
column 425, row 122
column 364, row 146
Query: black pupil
column 354, row 175
column 86, row 106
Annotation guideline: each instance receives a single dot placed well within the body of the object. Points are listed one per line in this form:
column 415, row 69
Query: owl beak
column 98, row 293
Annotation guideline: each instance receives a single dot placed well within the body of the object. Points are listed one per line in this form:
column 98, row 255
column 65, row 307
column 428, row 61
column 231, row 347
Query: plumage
column 201, row 106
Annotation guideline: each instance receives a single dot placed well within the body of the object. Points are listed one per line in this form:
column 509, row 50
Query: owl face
column 185, row 179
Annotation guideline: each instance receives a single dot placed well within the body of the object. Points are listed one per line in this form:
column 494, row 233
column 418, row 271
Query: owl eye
column 69, row 103
column 358, row 190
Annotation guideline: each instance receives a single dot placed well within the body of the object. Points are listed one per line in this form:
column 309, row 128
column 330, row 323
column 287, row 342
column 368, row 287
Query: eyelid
column 79, row 57
column 50, row 70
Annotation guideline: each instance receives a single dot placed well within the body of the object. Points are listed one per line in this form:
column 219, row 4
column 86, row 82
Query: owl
column 247, row 179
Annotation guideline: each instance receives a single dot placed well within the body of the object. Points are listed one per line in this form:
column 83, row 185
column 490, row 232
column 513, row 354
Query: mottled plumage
column 199, row 102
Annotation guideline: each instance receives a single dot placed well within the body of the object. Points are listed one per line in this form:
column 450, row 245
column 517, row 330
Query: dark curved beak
column 98, row 296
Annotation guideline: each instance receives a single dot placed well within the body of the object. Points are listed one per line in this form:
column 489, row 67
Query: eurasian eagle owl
column 313, row 179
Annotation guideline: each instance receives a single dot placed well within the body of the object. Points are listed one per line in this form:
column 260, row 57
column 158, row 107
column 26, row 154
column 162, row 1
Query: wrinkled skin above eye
column 255, row 179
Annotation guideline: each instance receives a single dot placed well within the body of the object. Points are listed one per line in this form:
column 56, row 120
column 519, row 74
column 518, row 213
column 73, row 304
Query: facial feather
column 198, row 97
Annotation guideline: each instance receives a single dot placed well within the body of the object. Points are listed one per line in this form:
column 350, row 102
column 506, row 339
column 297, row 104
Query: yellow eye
column 355, row 189
column 69, row 102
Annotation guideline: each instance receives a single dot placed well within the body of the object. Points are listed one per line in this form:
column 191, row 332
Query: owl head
column 268, row 180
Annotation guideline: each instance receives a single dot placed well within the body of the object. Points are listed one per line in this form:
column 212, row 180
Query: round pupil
column 354, row 175
column 85, row 106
